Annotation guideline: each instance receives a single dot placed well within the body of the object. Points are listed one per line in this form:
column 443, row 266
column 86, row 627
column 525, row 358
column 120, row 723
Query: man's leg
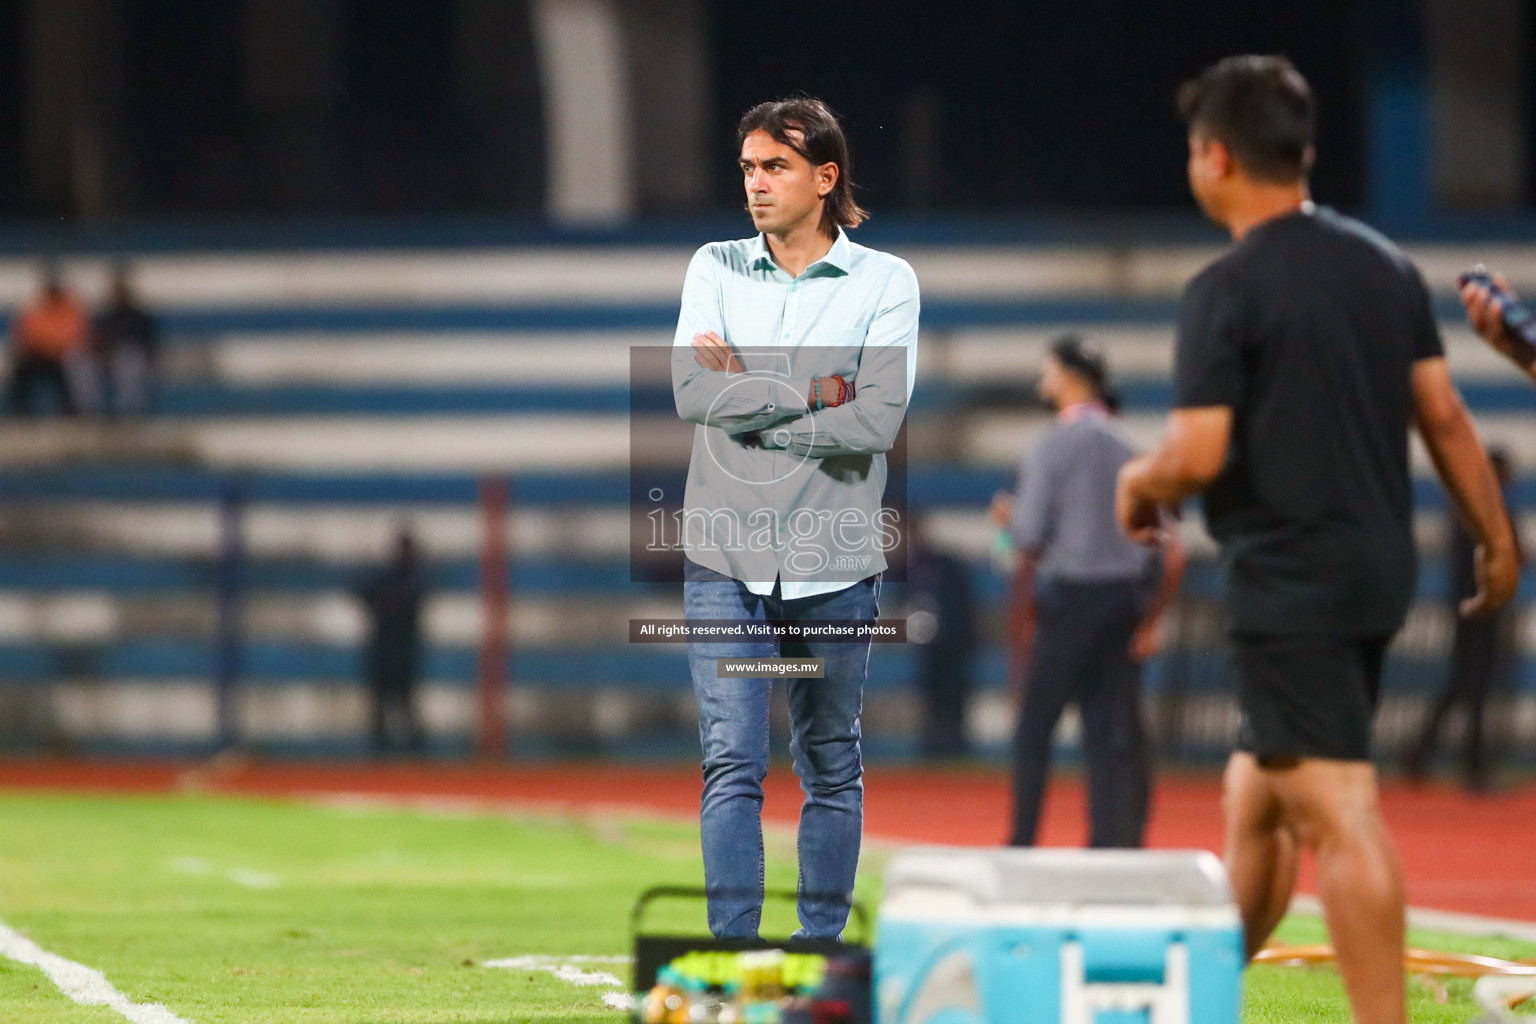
column 1260, row 850
column 824, row 718
column 1332, row 808
column 1308, row 702
column 733, row 731
column 21, row 394
column 1417, row 763
column 1473, row 680
column 1058, row 659
column 1115, row 744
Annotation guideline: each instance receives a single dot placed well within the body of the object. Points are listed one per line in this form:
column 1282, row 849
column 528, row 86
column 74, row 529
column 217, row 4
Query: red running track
column 1462, row 853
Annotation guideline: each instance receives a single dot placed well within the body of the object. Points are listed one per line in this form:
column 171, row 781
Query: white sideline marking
column 1474, row 925
column 240, row 876
column 82, row 984
column 563, row 967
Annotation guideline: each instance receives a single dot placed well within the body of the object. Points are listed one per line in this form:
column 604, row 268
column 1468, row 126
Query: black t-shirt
column 1308, row 328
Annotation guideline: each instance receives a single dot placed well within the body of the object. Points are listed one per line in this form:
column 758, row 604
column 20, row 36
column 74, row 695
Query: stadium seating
column 329, row 398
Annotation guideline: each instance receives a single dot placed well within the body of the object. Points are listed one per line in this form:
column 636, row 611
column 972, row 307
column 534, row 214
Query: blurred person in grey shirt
column 1088, row 601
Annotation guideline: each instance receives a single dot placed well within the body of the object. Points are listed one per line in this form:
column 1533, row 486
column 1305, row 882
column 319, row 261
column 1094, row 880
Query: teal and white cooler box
column 1031, row 936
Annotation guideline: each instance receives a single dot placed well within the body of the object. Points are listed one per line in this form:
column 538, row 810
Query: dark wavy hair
column 1261, row 109
column 810, row 128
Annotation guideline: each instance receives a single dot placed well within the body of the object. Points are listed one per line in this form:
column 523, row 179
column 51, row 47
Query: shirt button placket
column 791, row 308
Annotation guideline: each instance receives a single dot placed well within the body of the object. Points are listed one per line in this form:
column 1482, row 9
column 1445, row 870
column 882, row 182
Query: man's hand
column 1145, row 641
column 1484, row 312
column 1498, row 575
column 1001, row 511
column 1140, row 518
column 714, row 353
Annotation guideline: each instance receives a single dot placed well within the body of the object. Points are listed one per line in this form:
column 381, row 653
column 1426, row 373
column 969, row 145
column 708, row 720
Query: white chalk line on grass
column 79, row 982
column 564, row 968
column 1471, row 925
column 240, row 876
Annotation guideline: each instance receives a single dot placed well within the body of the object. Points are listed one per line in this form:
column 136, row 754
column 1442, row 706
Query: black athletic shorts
column 1307, row 695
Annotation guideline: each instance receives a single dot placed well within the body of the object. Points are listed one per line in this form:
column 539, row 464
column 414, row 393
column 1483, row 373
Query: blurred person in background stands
column 1091, row 600
column 49, row 340
column 124, row 340
column 941, row 621
column 393, row 596
column 1304, row 355
column 1482, row 655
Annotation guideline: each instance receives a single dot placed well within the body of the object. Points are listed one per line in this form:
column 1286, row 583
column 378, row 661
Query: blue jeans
column 733, row 729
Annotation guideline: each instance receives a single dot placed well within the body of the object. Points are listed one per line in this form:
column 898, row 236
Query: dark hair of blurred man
column 1303, row 353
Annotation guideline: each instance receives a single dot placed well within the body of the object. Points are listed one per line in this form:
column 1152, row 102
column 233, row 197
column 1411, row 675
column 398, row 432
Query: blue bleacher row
column 941, row 314
column 210, row 399
column 646, row 668
column 925, row 486
column 531, row 578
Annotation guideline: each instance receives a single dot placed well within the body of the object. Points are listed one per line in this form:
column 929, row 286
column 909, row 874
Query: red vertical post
column 491, row 741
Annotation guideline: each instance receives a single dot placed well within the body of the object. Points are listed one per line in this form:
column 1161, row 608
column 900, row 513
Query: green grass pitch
column 250, row 912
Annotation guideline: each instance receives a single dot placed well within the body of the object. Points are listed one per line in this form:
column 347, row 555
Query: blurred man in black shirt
column 1303, row 354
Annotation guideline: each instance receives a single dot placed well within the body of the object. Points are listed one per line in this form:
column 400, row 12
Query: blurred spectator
column 123, row 342
column 941, row 621
column 1091, row 601
column 48, row 349
column 393, row 595
column 1482, row 654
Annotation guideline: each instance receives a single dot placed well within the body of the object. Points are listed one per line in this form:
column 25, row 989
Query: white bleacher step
column 605, row 275
column 574, row 358
column 512, row 444
column 1002, row 438
column 471, row 444
column 362, row 534
column 1141, row 353
column 325, row 533
column 329, row 619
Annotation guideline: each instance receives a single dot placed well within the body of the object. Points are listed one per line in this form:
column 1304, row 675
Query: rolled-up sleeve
column 735, row 403
column 883, row 385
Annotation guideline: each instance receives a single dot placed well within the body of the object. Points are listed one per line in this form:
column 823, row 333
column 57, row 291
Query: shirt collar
column 839, row 257
column 1083, row 410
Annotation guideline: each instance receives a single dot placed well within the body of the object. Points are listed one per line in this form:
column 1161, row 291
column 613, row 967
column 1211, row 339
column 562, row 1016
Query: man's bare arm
column 1187, row 459
column 1486, row 315
column 1469, row 479
column 1145, row 641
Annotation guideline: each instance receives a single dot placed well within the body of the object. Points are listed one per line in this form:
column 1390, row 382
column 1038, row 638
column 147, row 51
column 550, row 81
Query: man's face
column 1209, row 163
column 784, row 191
column 1050, row 381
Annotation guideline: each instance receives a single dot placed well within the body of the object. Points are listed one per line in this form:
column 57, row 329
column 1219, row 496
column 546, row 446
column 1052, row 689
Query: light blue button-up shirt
column 778, row 490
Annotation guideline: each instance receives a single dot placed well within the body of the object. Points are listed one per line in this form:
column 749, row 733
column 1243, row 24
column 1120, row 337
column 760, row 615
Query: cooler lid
column 1055, row 876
